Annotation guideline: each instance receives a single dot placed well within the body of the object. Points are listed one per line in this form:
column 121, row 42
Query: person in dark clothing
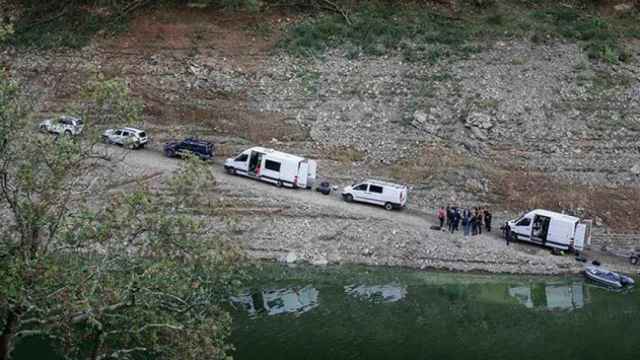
column 441, row 214
column 474, row 223
column 480, row 219
column 487, row 220
column 456, row 219
column 450, row 218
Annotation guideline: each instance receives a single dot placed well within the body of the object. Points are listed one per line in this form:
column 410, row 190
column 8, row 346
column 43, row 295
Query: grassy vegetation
column 425, row 35
column 48, row 25
column 419, row 32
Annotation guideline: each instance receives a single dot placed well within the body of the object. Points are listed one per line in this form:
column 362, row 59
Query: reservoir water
column 382, row 313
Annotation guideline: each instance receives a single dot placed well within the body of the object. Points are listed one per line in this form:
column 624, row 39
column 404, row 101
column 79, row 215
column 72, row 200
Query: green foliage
column 55, row 24
column 424, row 35
column 376, row 29
column 111, row 102
column 105, row 274
column 6, row 30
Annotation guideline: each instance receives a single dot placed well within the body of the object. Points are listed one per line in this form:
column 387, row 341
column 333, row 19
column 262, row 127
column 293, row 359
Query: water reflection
column 279, row 301
column 551, row 296
column 298, row 300
column 377, row 293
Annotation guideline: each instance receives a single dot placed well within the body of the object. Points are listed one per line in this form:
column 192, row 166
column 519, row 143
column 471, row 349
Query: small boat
column 608, row 278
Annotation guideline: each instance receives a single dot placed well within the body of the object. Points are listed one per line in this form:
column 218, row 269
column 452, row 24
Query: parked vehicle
column 200, row 148
column 62, row 125
column 634, row 258
column 324, row 188
column 273, row 166
column 607, row 278
column 550, row 229
column 130, row 137
column 389, row 195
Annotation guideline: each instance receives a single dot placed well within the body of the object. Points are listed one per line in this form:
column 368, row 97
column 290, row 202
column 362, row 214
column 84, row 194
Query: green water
column 365, row 313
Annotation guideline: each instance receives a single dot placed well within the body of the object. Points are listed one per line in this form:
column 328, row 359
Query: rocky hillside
column 514, row 122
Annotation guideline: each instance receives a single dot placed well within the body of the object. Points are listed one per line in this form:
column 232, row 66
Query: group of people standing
column 472, row 220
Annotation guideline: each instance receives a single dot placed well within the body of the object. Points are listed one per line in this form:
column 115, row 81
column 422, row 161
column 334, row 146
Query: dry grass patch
column 438, row 163
column 342, row 154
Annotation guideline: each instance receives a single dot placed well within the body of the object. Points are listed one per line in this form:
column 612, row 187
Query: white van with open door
column 273, row 166
column 550, row 229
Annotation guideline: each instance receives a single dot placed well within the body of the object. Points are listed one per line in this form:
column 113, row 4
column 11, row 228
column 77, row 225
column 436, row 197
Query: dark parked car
column 324, row 188
column 200, row 148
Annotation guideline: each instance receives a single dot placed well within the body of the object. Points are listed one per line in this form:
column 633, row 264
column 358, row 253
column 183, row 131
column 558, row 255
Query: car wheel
column 131, row 146
column 388, row 206
column 105, row 140
column 634, row 260
column 230, row 170
column 279, row 184
column 67, row 133
column 43, row 128
column 348, row 198
column 170, row 153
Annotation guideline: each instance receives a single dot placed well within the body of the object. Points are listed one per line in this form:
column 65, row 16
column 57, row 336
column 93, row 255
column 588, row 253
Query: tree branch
column 120, row 353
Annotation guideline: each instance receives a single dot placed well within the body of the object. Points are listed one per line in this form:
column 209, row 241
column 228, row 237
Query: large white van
column 389, row 195
column 550, row 229
column 273, row 166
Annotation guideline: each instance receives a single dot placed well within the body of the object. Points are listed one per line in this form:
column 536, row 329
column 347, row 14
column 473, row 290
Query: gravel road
column 300, row 225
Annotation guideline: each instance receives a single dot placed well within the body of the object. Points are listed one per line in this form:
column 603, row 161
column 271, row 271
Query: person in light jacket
column 466, row 222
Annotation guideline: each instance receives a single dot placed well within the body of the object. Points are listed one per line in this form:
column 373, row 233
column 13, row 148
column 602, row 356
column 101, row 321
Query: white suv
column 389, row 195
column 130, row 137
column 65, row 125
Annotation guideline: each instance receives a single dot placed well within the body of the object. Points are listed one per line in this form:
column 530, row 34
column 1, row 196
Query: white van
column 389, row 195
column 273, row 166
column 550, row 229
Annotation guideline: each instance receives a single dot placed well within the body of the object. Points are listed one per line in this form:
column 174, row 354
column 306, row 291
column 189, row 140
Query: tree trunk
column 7, row 336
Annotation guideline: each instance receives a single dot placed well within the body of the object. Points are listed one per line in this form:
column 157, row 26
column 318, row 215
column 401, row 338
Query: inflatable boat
column 608, row 278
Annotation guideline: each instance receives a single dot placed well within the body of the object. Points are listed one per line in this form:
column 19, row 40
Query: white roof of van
column 277, row 153
column 556, row 215
column 384, row 183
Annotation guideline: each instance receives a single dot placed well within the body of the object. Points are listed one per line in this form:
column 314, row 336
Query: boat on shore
column 608, row 278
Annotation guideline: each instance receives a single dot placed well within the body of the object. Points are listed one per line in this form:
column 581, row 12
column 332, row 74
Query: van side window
column 524, row 222
column 272, row 165
column 242, row 157
column 375, row 189
column 361, row 187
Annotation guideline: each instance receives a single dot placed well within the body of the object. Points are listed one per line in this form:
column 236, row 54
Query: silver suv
column 130, row 137
column 65, row 125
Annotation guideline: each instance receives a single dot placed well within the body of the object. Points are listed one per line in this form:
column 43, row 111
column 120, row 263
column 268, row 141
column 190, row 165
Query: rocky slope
column 517, row 125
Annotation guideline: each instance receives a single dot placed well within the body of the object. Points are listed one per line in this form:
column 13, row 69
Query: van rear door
column 302, row 178
column 403, row 196
column 580, row 236
column 313, row 167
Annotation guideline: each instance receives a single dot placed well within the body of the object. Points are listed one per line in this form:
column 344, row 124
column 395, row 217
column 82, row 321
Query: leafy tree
column 104, row 270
